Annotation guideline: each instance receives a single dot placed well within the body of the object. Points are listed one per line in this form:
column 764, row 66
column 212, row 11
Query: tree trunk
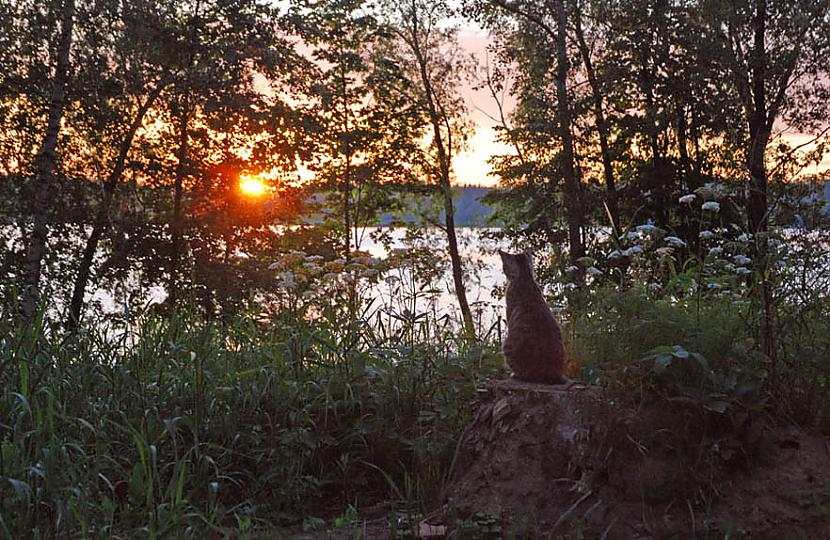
column 45, row 170
column 444, row 151
column 176, row 225
column 99, row 226
column 759, row 132
column 455, row 261
column 601, row 124
column 573, row 206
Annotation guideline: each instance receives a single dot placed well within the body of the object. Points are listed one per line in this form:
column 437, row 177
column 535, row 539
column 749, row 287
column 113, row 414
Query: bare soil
column 529, row 458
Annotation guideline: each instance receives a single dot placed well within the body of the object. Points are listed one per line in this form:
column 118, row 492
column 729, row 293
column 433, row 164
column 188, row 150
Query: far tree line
column 126, row 128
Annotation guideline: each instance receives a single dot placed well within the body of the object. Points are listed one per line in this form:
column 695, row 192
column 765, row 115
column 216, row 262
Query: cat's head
column 517, row 266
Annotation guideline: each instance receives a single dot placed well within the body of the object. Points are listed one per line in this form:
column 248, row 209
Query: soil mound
column 529, row 459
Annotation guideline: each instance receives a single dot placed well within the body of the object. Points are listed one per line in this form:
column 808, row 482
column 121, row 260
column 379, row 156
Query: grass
column 185, row 425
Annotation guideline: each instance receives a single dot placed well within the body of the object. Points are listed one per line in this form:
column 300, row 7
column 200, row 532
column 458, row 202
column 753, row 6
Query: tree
column 364, row 130
column 46, row 165
column 772, row 53
column 429, row 47
column 139, row 80
column 547, row 21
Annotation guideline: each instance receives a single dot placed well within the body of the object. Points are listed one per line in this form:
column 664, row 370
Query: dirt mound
column 529, row 459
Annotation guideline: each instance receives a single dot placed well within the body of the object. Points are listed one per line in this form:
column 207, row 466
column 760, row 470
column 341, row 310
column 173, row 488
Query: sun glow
column 252, row 186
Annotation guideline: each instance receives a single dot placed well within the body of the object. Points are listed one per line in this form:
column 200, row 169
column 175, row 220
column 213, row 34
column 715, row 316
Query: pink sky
column 471, row 166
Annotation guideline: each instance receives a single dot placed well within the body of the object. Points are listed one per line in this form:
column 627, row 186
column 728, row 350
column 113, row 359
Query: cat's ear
column 510, row 264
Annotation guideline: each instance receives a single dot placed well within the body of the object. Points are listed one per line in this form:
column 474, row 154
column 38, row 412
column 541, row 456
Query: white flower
column 654, row 286
column 743, row 271
column 308, row 294
column 633, row 250
column 674, row 241
column 742, row 259
column 279, row 265
column 707, row 235
column 715, row 251
column 711, row 206
column 687, row 199
column 594, row 271
column 648, row 228
column 743, row 238
column 633, row 235
column 314, row 258
column 714, row 286
column 614, row 255
column 663, row 251
column 297, row 253
column 572, row 269
column 331, row 276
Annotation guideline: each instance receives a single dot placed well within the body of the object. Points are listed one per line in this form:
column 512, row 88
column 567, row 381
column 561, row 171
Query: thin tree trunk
column 695, row 133
column 176, row 225
column 601, row 124
column 101, row 221
column 758, row 131
column 437, row 117
column 683, row 142
column 573, row 206
column 347, row 173
column 45, row 170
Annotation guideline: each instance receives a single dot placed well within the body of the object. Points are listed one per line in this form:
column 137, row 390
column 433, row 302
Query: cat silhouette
column 533, row 348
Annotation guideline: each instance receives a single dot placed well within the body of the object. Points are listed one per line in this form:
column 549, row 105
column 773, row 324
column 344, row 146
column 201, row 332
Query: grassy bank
column 188, row 425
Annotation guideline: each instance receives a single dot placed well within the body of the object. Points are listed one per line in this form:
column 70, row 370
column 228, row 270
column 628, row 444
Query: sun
column 252, row 186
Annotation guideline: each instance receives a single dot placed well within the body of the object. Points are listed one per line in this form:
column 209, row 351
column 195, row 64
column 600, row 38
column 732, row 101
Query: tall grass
column 188, row 425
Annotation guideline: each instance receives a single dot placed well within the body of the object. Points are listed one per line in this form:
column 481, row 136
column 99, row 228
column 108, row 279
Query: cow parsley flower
column 707, row 235
column 743, row 260
column 687, row 199
column 711, row 206
column 674, row 241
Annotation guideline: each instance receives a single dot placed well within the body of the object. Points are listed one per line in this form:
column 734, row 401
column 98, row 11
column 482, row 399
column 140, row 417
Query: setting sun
column 252, row 186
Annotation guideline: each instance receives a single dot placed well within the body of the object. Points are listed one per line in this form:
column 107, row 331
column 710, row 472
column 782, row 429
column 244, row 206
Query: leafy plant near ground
column 715, row 341
column 185, row 425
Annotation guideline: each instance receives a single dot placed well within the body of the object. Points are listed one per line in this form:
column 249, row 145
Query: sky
column 471, row 166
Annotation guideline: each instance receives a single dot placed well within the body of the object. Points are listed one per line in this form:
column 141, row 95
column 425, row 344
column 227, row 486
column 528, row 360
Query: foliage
column 166, row 427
